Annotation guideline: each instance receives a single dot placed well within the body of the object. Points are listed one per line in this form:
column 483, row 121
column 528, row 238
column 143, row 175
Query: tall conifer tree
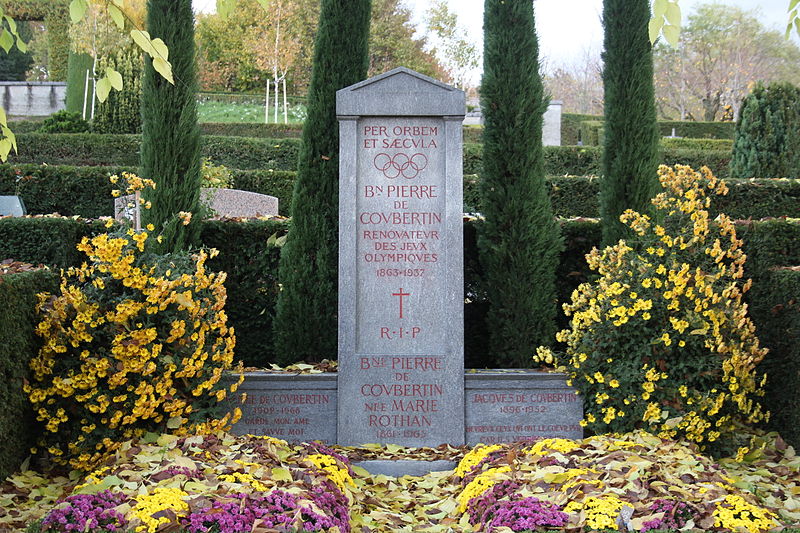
column 520, row 240
column 306, row 317
column 630, row 149
column 170, row 134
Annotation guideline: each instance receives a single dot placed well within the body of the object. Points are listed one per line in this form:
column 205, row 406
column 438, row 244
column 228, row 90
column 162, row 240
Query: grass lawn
column 213, row 111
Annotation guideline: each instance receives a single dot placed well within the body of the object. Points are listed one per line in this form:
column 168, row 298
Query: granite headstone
column 401, row 373
column 12, row 206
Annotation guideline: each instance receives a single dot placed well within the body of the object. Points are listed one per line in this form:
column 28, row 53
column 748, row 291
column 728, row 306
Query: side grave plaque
column 401, row 364
column 296, row 408
column 517, row 405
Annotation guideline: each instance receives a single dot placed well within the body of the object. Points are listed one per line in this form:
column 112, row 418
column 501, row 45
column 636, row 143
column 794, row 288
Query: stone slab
column 501, row 406
column 12, row 206
column 226, row 203
column 514, row 405
column 295, row 408
column 400, row 261
column 402, row 468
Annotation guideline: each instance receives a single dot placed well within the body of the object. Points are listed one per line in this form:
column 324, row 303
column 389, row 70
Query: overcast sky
column 567, row 28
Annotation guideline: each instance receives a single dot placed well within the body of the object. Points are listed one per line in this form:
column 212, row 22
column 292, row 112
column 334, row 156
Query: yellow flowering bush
column 134, row 342
column 662, row 340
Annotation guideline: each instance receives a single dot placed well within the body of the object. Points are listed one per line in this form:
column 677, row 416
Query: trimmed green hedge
column 87, row 149
column 18, row 343
column 252, row 129
column 697, row 130
column 697, row 144
column 472, row 133
column 571, row 125
column 45, row 240
column 25, row 126
column 592, row 132
column 775, row 308
column 86, row 191
column 52, row 241
column 92, row 149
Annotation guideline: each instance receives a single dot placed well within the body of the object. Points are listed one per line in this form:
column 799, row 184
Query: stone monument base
column 500, row 406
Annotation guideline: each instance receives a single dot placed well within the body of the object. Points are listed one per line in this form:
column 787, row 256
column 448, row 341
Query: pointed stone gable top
column 400, row 92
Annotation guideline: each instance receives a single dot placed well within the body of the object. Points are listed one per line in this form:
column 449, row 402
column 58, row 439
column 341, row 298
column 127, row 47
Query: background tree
column 579, row 84
column 630, row 150
column 392, row 42
column 97, row 36
column 225, row 65
column 15, row 64
column 276, row 47
column 519, row 242
column 170, row 135
column 767, row 139
column 459, row 56
column 723, row 50
column 306, row 320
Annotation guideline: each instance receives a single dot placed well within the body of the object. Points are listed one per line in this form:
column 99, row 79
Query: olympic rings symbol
column 401, row 165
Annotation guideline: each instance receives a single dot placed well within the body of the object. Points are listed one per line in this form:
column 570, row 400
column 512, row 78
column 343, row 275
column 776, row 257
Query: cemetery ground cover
column 197, row 483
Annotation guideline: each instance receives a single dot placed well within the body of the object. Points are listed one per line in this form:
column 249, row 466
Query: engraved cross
column 400, row 293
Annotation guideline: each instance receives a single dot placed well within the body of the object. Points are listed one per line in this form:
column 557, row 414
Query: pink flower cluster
column 676, row 514
column 518, row 514
column 278, row 509
column 84, row 512
column 238, row 512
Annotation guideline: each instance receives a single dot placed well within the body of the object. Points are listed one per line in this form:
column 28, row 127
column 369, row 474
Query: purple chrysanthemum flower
column 83, row 512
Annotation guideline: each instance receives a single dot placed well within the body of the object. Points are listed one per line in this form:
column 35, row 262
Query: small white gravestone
column 12, row 206
column 401, row 325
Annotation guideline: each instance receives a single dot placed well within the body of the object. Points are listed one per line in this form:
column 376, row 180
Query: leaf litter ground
column 635, row 469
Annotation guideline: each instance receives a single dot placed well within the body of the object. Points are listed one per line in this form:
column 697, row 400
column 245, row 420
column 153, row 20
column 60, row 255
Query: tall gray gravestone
column 401, row 324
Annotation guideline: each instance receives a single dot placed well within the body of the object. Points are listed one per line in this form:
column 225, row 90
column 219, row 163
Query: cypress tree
column 630, row 150
column 767, row 138
column 520, row 240
column 305, row 315
column 170, row 134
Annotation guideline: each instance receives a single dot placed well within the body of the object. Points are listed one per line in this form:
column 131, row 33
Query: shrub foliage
column 767, row 141
column 121, row 112
column 662, row 339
